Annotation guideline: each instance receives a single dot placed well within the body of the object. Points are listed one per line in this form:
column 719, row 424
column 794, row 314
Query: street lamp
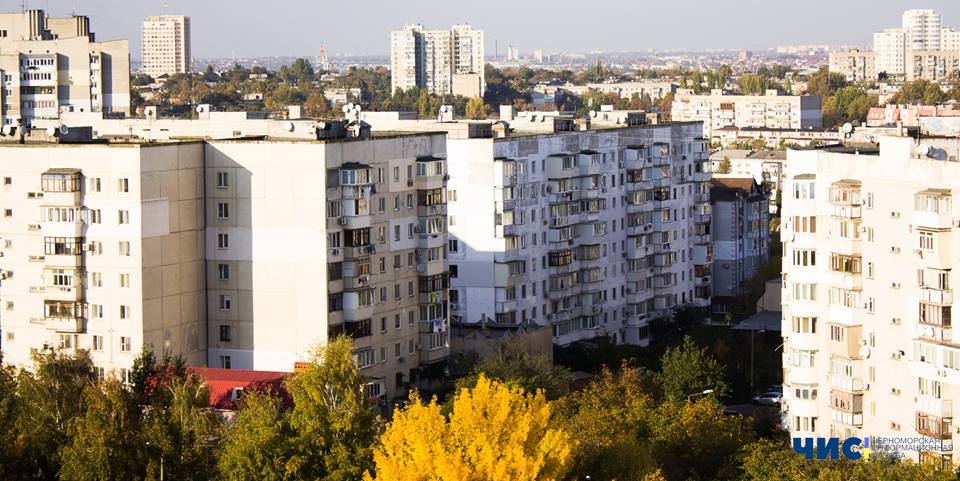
column 691, row 396
column 752, row 333
column 161, row 458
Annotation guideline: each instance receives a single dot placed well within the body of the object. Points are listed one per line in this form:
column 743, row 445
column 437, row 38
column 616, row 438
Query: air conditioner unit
column 342, row 221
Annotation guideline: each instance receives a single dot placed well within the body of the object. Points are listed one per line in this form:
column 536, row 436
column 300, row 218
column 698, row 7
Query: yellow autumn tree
column 494, row 433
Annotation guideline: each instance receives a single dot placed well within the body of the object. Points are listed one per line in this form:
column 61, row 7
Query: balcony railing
column 939, row 297
column 934, row 426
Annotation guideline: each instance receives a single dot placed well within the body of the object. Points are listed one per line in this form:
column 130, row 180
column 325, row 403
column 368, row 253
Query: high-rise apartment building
column 440, row 61
column 922, row 29
column 868, row 261
column 51, row 65
column 592, row 232
column 166, row 45
column 741, row 235
column 234, row 253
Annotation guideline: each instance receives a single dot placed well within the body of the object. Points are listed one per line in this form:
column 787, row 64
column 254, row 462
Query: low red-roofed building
column 227, row 386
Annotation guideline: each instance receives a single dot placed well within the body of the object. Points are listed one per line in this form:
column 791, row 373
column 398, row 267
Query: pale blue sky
column 297, row 27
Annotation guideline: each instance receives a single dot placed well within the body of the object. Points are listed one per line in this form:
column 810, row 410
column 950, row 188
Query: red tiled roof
column 221, row 383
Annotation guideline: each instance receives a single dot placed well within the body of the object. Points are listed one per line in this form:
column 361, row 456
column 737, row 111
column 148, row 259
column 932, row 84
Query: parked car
column 771, row 398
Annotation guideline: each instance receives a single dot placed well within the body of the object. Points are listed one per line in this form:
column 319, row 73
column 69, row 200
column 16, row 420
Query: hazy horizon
column 222, row 28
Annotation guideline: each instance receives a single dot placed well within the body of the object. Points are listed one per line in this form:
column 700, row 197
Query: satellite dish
column 200, row 109
column 290, row 126
column 923, row 149
column 847, row 128
column 51, row 131
column 64, row 130
column 865, row 352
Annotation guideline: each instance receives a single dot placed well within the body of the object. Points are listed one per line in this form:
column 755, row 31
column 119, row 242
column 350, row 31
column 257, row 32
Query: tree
column 495, row 433
column 515, row 365
column 724, row 167
column 104, row 442
column 476, row 109
column 259, row 445
column 689, row 369
column 141, row 79
column 9, row 453
column 331, row 416
column 48, row 401
column 181, row 429
column 605, row 420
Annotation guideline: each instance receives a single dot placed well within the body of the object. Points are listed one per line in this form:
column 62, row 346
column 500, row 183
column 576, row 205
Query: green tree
column 331, row 417
column 49, row 399
column 104, row 443
column 725, row 166
column 10, row 455
column 423, row 105
column 515, row 365
column 608, row 420
column 824, row 83
column 140, row 80
column 688, row 370
column 180, row 429
column 259, row 444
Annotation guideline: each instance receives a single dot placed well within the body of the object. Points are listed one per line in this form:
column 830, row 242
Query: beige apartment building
column 772, row 111
column 53, row 65
column 855, row 65
column 869, row 242
column 166, row 45
column 440, row 61
column 235, row 253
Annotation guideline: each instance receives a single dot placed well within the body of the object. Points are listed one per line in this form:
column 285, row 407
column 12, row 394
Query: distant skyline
column 298, row 27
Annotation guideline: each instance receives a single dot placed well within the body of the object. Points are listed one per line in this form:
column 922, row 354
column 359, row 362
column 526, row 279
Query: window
column 8, row 212
column 805, row 325
column 364, row 359
column 124, row 280
column 805, row 224
column 123, row 185
column 223, row 271
column 805, row 257
column 926, row 240
column 805, row 292
column 96, row 311
column 224, row 302
column 838, row 333
column 124, row 248
column 125, row 344
column 63, row 246
column 97, row 343
column 804, row 190
column 223, row 210
column 67, row 341
column 223, row 180
column 125, row 312
column 800, row 358
column 453, row 245
column 396, row 321
column 396, row 350
column 123, row 216
column 96, row 279
column 94, row 216
column 224, row 333
column 223, row 241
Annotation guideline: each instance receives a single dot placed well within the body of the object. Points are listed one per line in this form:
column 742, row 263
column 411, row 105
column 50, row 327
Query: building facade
column 440, row 61
column 166, row 45
column 772, row 110
column 53, row 65
column 216, row 250
column 741, row 234
column 855, row 65
column 867, row 298
column 591, row 232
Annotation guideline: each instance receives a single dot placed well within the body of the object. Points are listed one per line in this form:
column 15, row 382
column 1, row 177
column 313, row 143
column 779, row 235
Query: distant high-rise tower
column 922, row 29
column 322, row 63
column 441, row 61
column 166, row 45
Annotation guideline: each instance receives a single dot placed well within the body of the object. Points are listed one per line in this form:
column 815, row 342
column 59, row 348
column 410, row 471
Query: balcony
column 73, row 325
column 932, row 209
column 428, row 354
column 63, row 293
column 934, row 406
column 846, row 402
column 934, row 332
column 934, row 426
column 359, row 252
column 937, row 297
column 852, row 384
column 355, row 283
column 431, row 210
column 61, row 187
